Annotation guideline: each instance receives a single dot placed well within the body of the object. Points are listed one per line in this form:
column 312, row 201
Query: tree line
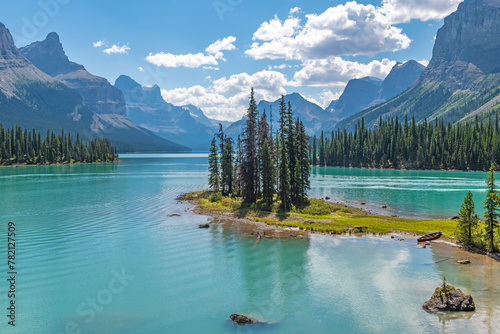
column 427, row 145
column 469, row 229
column 264, row 166
column 20, row 146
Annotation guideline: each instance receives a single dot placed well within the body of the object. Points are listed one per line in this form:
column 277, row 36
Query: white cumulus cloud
column 335, row 72
column 346, row 29
column 214, row 53
column 187, row 60
column 98, row 44
column 114, row 49
column 227, row 98
column 221, row 45
column 400, row 11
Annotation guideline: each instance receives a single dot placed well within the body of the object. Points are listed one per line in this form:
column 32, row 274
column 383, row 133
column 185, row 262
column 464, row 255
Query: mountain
column 463, row 76
column 400, row 78
column 98, row 94
column 331, row 107
column 32, row 99
column 186, row 125
column 360, row 94
column 309, row 113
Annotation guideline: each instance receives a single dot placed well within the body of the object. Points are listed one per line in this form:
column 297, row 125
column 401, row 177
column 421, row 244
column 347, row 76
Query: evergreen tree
column 284, row 169
column 213, row 167
column 491, row 206
column 314, row 159
column 227, row 166
column 249, row 139
column 267, row 174
column 468, row 219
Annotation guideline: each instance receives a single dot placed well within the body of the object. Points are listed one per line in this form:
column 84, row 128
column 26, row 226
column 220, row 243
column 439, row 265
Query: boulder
column 241, row 319
column 384, row 206
column 452, row 300
column 463, row 261
column 204, row 226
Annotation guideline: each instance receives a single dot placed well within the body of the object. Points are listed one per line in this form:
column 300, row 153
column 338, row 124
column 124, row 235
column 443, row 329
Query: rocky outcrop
column 241, row 319
column 14, row 67
column 97, row 93
column 452, row 300
column 467, row 46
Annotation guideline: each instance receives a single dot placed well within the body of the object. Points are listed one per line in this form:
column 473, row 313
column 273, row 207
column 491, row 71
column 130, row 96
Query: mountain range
column 32, row 98
column 40, row 87
column 463, row 77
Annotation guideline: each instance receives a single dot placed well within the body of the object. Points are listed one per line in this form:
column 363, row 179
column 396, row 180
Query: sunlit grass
column 320, row 215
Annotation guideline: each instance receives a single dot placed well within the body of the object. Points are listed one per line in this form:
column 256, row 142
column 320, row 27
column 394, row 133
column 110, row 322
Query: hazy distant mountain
column 146, row 107
column 360, row 94
column 309, row 113
column 463, row 76
column 33, row 99
column 98, row 94
column 401, row 77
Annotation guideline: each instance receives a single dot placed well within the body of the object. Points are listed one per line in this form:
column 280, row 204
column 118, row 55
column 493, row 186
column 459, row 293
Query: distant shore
column 61, row 164
column 407, row 169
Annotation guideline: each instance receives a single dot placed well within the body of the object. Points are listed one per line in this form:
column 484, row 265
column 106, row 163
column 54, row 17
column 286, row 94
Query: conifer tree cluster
column 263, row 165
column 20, row 146
column 468, row 229
column 394, row 144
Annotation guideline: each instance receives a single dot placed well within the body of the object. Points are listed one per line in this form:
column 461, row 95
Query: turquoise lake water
column 96, row 252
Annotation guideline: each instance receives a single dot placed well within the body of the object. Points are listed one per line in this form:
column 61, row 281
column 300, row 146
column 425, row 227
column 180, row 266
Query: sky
column 209, row 53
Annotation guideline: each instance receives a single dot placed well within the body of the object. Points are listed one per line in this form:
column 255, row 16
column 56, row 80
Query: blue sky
column 209, row 52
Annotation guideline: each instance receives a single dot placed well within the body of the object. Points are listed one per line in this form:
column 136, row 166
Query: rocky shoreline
column 259, row 229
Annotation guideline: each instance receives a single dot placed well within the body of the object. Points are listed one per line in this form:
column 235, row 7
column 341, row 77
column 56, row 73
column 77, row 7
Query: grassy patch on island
column 318, row 215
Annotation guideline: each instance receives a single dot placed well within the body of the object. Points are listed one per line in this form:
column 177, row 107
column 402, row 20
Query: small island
column 316, row 215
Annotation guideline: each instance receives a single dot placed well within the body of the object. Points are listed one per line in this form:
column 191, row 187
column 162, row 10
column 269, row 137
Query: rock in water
column 204, row 226
column 453, row 300
column 241, row 319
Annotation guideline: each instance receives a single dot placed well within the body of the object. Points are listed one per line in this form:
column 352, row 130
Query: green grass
column 320, row 215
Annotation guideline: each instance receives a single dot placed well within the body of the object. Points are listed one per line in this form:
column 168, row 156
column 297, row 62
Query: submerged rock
column 241, row 319
column 204, row 226
column 174, row 215
column 452, row 300
column 463, row 261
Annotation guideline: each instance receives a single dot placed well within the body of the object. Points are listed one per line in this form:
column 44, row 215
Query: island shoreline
column 252, row 228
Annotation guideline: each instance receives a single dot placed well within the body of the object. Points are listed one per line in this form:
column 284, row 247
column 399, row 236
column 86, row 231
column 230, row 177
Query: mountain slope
column 309, row 113
column 462, row 76
column 32, row 99
column 146, row 107
column 98, row 94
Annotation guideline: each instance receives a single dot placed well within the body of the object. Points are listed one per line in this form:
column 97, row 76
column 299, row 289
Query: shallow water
column 81, row 226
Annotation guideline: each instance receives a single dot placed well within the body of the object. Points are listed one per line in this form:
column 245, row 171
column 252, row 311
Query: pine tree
column 227, row 166
column 267, row 174
column 213, row 167
column 249, row 139
column 491, row 206
column 322, row 150
column 314, row 159
column 284, row 170
column 303, row 162
column 468, row 219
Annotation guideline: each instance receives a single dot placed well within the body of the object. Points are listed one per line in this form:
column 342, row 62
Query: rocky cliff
column 97, row 93
column 467, row 46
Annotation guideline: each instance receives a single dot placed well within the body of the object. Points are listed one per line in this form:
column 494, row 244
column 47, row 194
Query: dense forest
column 408, row 145
column 19, row 146
column 263, row 165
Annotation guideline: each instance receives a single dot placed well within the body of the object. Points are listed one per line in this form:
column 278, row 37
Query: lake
column 96, row 252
